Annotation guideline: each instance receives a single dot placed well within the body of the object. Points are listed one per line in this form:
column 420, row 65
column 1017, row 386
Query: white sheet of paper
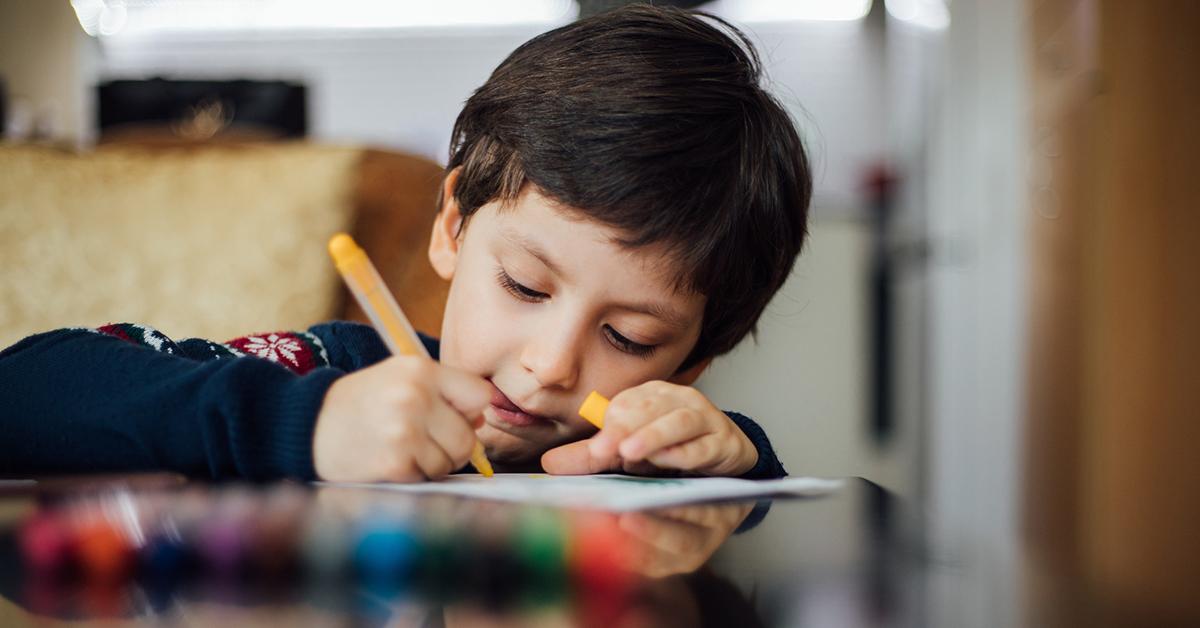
column 608, row 492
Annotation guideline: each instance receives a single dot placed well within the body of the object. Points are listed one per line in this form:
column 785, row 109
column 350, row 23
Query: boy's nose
column 553, row 360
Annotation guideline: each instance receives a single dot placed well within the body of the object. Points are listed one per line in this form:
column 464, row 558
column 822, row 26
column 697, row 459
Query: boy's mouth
column 511, row 413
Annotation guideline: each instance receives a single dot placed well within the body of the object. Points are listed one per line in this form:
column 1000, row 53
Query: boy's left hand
column 655, row 426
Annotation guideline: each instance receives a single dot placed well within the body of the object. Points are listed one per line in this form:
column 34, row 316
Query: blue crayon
column 164, row 563
column 386, row 551
column 165, row 557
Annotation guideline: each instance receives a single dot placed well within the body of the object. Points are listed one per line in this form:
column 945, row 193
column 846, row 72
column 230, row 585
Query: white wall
column 402, row 88
column 978, row 218
column 804, row 378
column 978, row 195
column 45, row 59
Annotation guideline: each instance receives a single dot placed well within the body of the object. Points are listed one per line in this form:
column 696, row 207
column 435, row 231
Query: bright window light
column 107, row 18
column 928, row 13
column 749, row 11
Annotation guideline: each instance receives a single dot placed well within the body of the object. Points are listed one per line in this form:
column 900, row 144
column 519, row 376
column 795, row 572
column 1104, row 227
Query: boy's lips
column 510, row 412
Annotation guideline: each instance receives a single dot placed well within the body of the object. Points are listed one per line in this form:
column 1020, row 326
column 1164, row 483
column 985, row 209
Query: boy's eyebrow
column 668, row 316
column 657, row 310
column 531, row 247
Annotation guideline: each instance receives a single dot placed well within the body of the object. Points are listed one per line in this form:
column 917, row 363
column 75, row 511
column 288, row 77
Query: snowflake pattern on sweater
column 139, row 335
column 299, row 352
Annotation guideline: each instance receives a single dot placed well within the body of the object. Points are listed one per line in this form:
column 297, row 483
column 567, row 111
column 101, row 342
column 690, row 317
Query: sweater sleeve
column 351, row 346
column 76, row 401
column 768, row 466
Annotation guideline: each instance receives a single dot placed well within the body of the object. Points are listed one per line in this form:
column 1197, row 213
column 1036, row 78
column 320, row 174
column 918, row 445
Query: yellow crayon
column 593, row 409
column 372, row 295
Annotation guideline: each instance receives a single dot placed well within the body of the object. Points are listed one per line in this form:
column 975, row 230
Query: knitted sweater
column 126, row 398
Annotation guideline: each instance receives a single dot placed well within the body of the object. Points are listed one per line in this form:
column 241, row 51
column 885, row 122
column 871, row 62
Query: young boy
column 621, row 202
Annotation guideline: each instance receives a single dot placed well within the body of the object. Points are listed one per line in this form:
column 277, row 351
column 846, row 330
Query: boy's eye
column 517, row 289
column 525, row 293
column 627, row 345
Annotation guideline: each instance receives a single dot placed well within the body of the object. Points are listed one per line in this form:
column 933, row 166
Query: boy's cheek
column 471, row 341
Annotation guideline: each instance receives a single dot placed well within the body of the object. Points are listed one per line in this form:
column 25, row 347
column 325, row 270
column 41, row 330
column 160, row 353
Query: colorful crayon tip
column 386, row 551
column 45, row 542
column 105, row 553
column 593, row 409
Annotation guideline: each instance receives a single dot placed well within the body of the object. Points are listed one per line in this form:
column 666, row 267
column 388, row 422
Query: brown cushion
column 395, row 204
column 210, row 241
column 215, row 242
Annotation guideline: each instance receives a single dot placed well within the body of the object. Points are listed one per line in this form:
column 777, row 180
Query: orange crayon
column 105, row 553
column 593, row 409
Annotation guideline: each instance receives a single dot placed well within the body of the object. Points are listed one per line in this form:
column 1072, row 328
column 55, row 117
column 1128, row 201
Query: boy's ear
column 686, row 378
column 444, row 241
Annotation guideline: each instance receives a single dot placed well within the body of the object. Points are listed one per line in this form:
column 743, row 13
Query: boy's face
column 548, row 307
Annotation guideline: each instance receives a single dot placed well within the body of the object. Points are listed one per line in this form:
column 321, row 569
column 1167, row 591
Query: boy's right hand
column 405, row 419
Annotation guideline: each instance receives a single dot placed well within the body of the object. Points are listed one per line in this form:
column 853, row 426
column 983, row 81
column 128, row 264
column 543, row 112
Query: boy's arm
column 74, row 401
column 768, row 465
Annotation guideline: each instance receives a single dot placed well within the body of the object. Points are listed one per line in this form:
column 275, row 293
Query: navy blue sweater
column 127, row 398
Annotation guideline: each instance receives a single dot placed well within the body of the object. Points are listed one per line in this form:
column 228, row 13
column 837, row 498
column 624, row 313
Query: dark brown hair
column 650, row 120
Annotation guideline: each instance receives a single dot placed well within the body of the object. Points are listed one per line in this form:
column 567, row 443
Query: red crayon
column 600, row 562
column 46, row 543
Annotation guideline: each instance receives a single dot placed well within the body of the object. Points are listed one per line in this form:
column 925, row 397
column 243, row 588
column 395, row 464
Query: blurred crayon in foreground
column 45, row 543
column 600, row 569
column 386, row 552
column 105, row 553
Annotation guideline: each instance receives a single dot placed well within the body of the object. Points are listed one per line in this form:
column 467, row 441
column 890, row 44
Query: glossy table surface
column 857, row 557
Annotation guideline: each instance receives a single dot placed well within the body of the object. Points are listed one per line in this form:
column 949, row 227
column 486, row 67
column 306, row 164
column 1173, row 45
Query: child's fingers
column 467, row 393
column 677, row 426
column 629, row 411
column 576, row 459
column 688, row 456
column 433, row 461
column 452, row 432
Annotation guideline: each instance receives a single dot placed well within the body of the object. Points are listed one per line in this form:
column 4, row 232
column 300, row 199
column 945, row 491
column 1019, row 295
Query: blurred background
column 996, row 316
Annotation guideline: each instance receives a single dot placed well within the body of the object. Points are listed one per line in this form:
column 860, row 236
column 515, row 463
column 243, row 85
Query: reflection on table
column 259, row 555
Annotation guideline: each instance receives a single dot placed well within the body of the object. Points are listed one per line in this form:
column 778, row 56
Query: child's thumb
column 575, row 459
